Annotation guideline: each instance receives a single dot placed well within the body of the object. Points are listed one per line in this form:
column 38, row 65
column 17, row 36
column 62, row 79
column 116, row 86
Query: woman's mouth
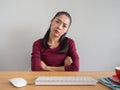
column 56, row 31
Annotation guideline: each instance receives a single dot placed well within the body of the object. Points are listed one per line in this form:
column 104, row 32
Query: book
column 109, row 83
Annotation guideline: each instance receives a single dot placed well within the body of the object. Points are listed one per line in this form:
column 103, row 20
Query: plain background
column 95, row 29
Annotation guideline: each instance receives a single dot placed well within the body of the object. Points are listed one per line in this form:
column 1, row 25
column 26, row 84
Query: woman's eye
column 57, row 22
column 64, row 26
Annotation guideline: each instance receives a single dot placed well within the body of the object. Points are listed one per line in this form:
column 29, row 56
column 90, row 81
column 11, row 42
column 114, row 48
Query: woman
column 55, row 52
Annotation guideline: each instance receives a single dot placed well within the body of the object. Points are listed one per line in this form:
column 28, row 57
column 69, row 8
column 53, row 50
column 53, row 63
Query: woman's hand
column 43, row 65
column 46, row 67
column 68, row 61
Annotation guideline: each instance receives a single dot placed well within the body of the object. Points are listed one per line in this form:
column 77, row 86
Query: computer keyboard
column 65, row 80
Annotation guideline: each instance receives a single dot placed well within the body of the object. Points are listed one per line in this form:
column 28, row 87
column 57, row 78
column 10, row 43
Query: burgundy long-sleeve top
column 51, row 57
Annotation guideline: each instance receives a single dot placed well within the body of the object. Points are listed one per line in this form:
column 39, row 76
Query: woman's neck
column 53, row 42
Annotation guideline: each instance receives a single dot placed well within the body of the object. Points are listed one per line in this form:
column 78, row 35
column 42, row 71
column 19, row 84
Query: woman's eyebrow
column 61, row 21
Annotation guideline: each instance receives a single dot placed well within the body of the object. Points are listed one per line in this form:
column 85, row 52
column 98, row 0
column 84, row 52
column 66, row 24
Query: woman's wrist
column 49, row 68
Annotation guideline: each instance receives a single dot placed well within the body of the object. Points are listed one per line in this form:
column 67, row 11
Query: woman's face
column 59, row 25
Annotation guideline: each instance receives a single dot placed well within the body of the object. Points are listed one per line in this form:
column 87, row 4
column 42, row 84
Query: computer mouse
column 18, row 82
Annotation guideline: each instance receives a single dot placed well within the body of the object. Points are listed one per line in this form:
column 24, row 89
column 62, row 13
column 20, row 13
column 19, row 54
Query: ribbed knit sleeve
column 36, row 57
column 72, row 52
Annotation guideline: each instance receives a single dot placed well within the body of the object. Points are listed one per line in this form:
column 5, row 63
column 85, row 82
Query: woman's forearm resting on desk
column 51, row 68
column 68, row 61
column 68, row 66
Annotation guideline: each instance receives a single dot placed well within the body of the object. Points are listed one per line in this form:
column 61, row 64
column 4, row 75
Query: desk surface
column 30, row 77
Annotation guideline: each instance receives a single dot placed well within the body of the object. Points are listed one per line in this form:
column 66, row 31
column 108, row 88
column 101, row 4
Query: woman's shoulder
column 70, row 40
column 38, row 41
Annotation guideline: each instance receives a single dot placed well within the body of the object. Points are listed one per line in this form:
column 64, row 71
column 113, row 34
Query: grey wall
column 95, row 29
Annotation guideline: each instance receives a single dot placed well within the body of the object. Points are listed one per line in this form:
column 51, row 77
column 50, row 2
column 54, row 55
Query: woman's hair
column 63, row 40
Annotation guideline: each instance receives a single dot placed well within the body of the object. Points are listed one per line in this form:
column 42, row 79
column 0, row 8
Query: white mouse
column 18, row 82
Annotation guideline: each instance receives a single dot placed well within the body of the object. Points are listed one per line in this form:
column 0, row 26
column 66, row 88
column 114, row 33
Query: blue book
column 108, row 82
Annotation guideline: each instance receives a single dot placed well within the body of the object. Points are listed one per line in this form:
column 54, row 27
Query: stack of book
column 112, row 82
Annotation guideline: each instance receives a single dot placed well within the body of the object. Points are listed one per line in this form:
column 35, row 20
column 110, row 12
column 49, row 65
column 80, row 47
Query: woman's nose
column 60, row 26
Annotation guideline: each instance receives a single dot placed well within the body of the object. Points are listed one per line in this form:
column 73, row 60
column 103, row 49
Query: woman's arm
column 51, row 68
column 72, row 52
column 36, row 57
column 67, row 61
